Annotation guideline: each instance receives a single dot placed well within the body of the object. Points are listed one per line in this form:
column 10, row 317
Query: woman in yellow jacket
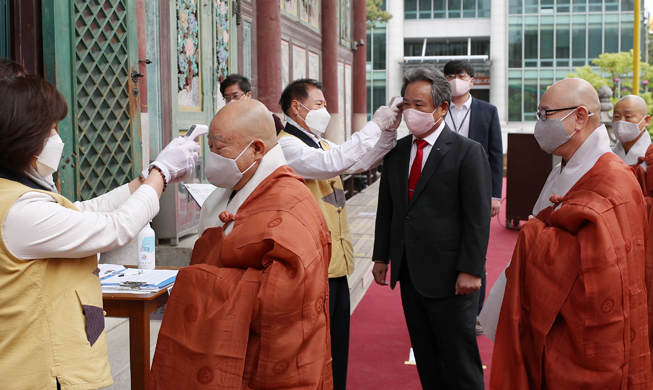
column 51, row 318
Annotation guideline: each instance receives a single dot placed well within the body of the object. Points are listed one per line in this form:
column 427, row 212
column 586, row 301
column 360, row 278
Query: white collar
column 434, row 135
column 637, row 150
column 466, row 105
column 313, row 137
column 269, row 163
column 560, row 180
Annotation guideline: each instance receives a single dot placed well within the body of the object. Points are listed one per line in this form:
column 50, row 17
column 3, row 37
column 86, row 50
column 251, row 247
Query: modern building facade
column 518, row 47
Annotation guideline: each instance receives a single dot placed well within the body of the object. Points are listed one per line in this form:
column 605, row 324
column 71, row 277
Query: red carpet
column 380, row 344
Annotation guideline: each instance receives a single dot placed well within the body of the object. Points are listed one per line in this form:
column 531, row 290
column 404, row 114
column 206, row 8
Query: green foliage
column 375, row 13
column 616, row 64
column 587, row 73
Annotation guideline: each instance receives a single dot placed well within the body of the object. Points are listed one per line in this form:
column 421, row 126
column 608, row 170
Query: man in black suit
column 433, row 224
column 477, row 120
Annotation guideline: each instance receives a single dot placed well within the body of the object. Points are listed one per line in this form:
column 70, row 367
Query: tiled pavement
column 361, row 210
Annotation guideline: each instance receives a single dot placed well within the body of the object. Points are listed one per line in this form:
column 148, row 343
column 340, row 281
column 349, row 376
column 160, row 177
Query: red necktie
column 416, row 168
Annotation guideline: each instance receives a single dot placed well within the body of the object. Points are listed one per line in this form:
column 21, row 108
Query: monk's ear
column 259, row 149
column 647, row 120
column 582, row 117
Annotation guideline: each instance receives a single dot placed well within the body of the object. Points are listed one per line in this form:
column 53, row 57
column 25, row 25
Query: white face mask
column 317, row 120
column 47, row 162
column 626, row 131
column 223, row 172
column 460, row 87
column 551, row 133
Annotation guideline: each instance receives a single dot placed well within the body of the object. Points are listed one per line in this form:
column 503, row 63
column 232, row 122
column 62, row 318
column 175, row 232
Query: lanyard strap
column 461, row 123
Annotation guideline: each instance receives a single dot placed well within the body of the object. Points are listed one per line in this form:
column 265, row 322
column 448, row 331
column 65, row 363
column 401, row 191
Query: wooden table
column 137, row 307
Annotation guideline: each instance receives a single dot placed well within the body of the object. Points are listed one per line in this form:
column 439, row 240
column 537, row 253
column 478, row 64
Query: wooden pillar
column 26, row 35
column 268, row 52
column 330, row 54
column 359, row 71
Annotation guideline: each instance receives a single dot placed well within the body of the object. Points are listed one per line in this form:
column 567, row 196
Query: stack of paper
column 116, row 278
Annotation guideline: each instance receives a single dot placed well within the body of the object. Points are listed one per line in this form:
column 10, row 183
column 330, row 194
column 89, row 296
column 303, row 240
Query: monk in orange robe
column 629, row 121
column 251, row 312
column 574, row 312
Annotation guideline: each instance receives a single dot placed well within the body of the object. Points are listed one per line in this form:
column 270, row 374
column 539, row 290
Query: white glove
column 388, row 118
column 177, row 160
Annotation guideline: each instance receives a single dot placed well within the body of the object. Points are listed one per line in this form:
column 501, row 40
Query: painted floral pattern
column 222, row 39
column 188, row 52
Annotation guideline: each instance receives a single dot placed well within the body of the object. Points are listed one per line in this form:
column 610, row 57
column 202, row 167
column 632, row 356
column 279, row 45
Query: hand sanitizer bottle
column 146, row 248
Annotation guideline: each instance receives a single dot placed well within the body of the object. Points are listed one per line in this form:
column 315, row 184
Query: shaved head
column 632, row 103
column 243, row 131
column 572, row 93
column 576, row 104
column 243, row 121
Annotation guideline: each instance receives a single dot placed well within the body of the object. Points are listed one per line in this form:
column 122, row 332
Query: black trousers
column 442, row 332
column 481, row 294
column 339, row 312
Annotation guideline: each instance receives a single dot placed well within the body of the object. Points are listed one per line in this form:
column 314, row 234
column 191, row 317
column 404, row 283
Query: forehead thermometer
column 196, row 130
column 396, row 101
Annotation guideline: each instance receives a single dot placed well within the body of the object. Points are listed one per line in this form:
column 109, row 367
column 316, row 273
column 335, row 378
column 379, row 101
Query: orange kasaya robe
column 645, row 179
column 574, row 313
column 251, row 312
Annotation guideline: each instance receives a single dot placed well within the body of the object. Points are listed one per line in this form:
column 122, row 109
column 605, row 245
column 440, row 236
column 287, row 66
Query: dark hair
column 9, row 68
column 455, row 67
column 234, row 78
column 440, row 87
column 297, row 90
column 28, row 109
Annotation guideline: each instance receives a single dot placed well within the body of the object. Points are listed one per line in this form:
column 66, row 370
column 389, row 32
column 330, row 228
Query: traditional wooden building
column 136, row 73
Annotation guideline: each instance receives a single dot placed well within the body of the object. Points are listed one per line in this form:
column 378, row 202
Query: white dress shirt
column 219, row 201
column 562, row 178
column 363, row 151
column 636, row 151
column 460, row 116
column 430, row 141
column 37, row 227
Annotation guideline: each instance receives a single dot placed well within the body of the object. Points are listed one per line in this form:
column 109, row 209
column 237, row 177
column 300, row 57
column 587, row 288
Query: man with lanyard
column 321, row 163
column 479, row 121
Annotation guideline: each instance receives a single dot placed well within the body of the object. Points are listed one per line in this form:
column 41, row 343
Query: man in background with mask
column 629, row 122
column 236, row 87
column 433, row 225
column 251, row 310
column 574, row 311
column 477, row 120
column 321, row 163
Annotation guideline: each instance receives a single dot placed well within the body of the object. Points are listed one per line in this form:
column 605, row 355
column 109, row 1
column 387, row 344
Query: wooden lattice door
column 106, row 122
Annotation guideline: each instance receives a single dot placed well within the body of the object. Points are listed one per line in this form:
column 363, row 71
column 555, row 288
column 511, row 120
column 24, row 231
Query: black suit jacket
column 484, row 128
column 445, row 228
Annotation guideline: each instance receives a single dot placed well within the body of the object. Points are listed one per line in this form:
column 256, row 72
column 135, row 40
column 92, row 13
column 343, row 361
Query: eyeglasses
column 543, row 114
column 462, row 75
column 233, row 97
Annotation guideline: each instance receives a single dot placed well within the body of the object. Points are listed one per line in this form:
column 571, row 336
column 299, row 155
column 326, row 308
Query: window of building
column 611, row 33
column 562, row 41
column 515, row 42
column 515, row 7
column 578, row 40
column 453, row 9
column 531, row 44
column 627, row 31
column 594, row 36
column 546, row 41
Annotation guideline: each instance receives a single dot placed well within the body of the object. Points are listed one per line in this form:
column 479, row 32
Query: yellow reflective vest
column 330, row 195
column 51, row 317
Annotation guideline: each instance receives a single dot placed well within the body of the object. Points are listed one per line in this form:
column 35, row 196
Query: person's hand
column 388, row 118
column 177, row 160
column 467, row 283
column 496, row 206
column 379, row 272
